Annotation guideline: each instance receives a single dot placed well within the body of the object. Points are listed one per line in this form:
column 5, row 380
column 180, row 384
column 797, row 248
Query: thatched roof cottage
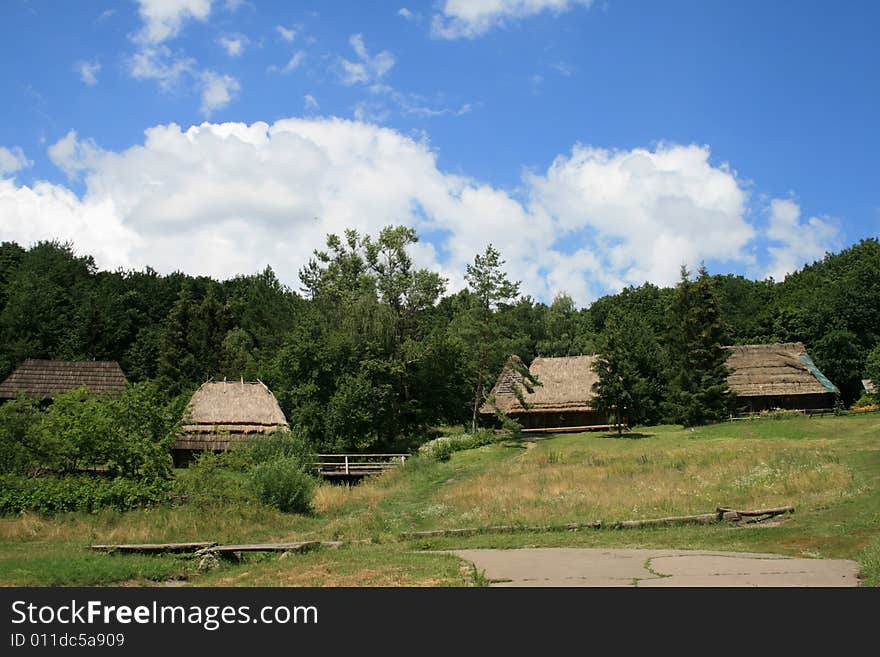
column 562, row 402
column 43, row 379
column 221, row 415
column 765, row 376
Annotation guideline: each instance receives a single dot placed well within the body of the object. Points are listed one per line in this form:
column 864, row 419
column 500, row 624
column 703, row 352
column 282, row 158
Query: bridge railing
column 342, row 465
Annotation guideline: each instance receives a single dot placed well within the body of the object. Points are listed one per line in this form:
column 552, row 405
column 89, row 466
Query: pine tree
column 698, row 334
column 629, row 370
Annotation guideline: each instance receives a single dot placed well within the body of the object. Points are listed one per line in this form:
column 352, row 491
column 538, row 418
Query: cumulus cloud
column 73, row 155
column 88, row 72
column 472, row 18
column 13, row 160
column 217, row 91
column 222, row 199
column 647, row 212
column 405, row 13
column 797, row 242
column 367, row 68
column 163, row 19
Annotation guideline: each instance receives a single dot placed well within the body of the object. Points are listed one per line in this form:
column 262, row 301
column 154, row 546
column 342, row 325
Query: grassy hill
column 828, row 468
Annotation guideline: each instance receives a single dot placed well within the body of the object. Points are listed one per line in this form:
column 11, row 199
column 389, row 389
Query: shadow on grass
column 629, row 435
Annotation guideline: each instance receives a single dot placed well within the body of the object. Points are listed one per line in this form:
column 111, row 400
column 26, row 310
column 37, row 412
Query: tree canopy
column 370, row 350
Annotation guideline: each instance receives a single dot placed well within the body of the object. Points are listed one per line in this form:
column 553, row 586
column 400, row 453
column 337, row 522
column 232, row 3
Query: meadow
column 828, row 468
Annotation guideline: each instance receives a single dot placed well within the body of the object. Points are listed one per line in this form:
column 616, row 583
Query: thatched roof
column 220, row 414
column 759, row 370
column 566, row 386
column 43, row 379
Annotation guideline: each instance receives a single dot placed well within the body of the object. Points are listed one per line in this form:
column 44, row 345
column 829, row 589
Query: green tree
column 840, row 357
column 872, row 369
column 697, row 337
column 490, row 288
column 630, row 369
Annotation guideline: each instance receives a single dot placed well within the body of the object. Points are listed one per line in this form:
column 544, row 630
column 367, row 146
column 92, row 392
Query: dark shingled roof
column 44, row 379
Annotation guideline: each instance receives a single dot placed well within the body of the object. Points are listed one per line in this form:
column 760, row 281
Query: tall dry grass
column 549, row 484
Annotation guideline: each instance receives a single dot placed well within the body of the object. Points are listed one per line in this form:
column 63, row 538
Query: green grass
column 828, row 468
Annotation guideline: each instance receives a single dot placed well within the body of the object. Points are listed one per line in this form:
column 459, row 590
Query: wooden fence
column 357, row 465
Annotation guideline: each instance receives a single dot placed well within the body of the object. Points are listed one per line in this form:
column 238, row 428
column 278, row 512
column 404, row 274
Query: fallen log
column 758, row 512
column 155, row 547
column 499, row 529
column 700, row 519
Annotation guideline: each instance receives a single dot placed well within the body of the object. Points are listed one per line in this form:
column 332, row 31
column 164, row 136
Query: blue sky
column 597, row 144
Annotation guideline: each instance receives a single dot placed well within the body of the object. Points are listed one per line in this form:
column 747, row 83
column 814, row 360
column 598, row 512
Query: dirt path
column 642, row 568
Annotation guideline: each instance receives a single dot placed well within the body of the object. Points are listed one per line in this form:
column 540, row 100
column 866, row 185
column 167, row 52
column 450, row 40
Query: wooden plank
column 155, row 547
column 299, row 546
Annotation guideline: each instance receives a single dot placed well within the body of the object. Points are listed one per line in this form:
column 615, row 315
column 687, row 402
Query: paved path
column 616, row 567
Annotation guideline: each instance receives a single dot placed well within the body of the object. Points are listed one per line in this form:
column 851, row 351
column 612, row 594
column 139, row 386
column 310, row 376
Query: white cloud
column 217, row 91
column 800, row 242
column 73, row 155
column 286, row 33
column 52, row 212
column 473, row 18
column 222, row 199
column 645, row 212
column 310, row 104
column 405, row 13
column 292, row 64
column 13, row 160
column 367, row 68
column 160, row 64
column 163, row 19
column 88, row 72
column 234, row 46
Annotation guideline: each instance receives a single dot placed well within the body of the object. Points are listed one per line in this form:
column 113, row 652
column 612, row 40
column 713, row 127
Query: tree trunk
column 478, row 393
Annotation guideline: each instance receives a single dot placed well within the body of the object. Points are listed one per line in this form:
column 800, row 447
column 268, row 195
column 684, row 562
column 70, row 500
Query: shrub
column 78, row 431
column 277, row 445
column 53, row 494
column 209, row 481
column 143, row 430
column 284, row 484
column 442, row 448
column 21, row 445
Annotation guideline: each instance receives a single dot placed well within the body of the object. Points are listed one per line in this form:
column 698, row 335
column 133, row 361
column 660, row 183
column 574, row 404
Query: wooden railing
column 357, row 465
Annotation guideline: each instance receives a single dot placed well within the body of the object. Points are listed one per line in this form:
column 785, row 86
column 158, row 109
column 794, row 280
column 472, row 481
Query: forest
column 369, row 352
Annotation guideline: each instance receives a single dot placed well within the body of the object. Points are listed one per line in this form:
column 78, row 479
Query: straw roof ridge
column 775, row 369
column 43, row 379
column 234, row 403
column 223, row 413
column 565, row 385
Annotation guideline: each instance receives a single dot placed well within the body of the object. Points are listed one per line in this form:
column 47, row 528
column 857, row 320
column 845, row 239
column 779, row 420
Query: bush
column 143, row 432
column 284, row 484
column 209, row 481
column 277, row 445
column 272, row 470
column 52, row 494
column 442, row 448
column 20, row 441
